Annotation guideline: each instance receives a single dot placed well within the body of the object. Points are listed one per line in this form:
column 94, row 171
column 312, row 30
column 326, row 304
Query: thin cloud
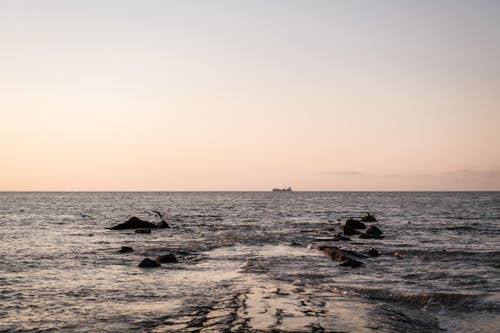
column 343, row 173
column 492, row 173
column 406, row 175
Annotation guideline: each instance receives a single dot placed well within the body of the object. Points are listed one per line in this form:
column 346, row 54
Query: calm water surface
column 248, row 263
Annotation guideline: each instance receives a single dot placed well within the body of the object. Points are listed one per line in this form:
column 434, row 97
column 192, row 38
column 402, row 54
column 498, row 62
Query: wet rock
column 372, row 232
column 126, row 249
column 163, row 225
column 369, row 236
column 373, row 252
column 348, row 231
column 340, row 237
column 351, row 263
column 166, row 258
column 149, row 263
column 355, row 224
column 368, row 218
column 134, row 223
column 143, row 231
column 400, row 255
column 345, row 257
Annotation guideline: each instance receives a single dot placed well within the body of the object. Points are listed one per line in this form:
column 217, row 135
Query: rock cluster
column 345, row 257
column 163, row 259
column 149, row 263
column 144, row 227
column 351, row 228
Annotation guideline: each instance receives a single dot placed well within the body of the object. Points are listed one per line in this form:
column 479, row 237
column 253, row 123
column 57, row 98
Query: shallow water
column 248, row 262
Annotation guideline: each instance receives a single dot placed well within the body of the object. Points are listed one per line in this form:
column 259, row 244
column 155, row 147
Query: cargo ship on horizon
column 284, row 189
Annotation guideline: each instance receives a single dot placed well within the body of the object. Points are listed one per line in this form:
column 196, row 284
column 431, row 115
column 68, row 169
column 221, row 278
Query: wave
column 441, row 254
column 461, row 228
column 427, row 298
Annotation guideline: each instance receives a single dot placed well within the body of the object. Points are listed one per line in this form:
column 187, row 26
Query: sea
column 249, row 262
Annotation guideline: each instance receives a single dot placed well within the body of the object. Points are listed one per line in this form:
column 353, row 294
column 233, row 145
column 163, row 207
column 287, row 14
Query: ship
column 284, row 189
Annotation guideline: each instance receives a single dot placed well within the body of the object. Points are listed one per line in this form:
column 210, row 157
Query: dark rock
column 355, row 224
column 346, row 258
column 348, row 231
column 134, row 223
column 368, row 218
column 126, row 249
column 370, row 236
column 351, row 263
column 148, row 263
column 373, row 252
column 166, row 258
column 143, row 231
column 163, row 225
column 374, row 230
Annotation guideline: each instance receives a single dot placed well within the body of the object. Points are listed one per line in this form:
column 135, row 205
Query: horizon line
column 238, row 191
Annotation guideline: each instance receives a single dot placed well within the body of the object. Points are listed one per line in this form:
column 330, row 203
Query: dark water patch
column 401, row 319
column 461, row 228
column 454, row 301
column 445, row 254
column 474, row 218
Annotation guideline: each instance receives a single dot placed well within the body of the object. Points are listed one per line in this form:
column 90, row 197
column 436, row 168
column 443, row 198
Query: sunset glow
column 249, row 95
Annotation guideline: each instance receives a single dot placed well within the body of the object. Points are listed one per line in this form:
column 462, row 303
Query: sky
column 249, row 95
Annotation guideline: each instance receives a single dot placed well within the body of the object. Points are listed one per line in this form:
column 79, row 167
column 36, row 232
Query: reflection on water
column 244, row 263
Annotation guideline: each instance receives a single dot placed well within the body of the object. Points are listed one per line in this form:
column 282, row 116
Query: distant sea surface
column 248, row 262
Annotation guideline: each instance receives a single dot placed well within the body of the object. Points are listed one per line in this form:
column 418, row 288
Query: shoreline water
column 244, row 263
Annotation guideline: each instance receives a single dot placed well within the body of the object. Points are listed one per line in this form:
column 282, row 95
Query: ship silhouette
column 284, row 189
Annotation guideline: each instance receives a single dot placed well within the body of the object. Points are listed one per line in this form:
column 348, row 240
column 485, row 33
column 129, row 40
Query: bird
column 85, row 216
column 160, row 215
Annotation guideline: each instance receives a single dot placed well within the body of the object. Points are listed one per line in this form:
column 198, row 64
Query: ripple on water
column 237, row 268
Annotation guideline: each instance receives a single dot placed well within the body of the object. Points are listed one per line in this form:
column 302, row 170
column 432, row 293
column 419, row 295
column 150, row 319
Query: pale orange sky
column 249, row 95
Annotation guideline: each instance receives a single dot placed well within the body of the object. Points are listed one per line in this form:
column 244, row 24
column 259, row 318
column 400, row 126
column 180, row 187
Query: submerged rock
column 351, row 263
column 134, row 223
column 340, row 237
column 126, row 249
column 143, row 231
column 373, row 252
column 372, row 232
column 166, row 258
column 355, row 224
column 368, row 218
column 162, row 225
column 349, row 231
column 345, row 257
column 369, row 236
column 149, row 263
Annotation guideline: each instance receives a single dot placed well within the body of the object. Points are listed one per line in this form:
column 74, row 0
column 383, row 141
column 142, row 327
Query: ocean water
column 248, row 262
